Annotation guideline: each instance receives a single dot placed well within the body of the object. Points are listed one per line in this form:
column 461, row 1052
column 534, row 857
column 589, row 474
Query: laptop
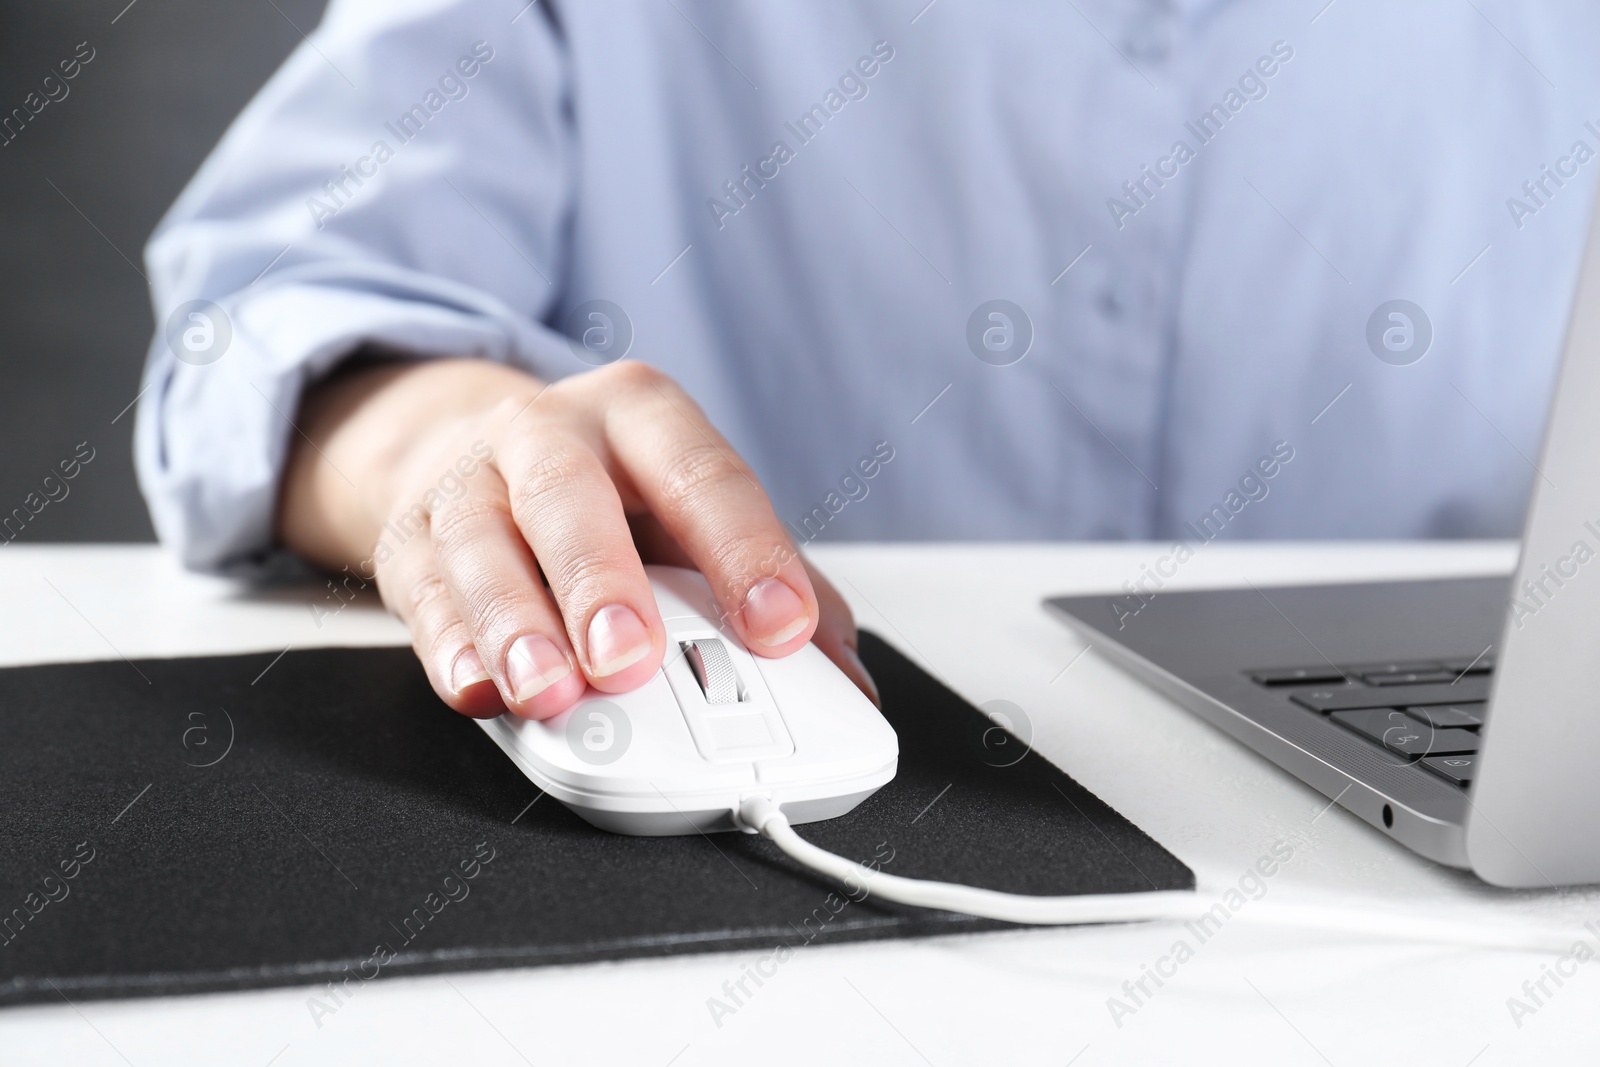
column 1460, row 717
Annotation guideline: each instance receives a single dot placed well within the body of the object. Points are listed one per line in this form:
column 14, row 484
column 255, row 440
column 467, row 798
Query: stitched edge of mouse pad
column 234, row 822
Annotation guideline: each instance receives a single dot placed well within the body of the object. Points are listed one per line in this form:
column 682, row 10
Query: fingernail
column 617, row 639
column 534, row 665
column 774, row 613
column 467, row 670
column 862, row 675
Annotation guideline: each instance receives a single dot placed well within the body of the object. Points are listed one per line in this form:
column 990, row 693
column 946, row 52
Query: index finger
column 707, row 498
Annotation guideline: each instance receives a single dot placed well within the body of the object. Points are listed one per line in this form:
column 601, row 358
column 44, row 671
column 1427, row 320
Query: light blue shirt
column 1196, row 216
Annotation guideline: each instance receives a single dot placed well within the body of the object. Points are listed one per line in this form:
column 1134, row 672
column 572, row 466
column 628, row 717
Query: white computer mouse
column 714, row 726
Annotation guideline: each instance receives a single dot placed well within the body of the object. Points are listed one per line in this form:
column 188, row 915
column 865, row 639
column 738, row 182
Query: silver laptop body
column 1368, row 692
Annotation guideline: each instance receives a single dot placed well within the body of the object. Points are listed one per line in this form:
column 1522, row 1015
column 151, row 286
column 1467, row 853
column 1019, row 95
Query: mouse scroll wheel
column 713, row 669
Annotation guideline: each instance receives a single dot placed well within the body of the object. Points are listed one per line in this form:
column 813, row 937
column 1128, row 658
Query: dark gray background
column 166, row 79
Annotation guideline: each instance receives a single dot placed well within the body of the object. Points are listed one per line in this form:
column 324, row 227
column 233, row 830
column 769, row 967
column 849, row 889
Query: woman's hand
column 508, row 522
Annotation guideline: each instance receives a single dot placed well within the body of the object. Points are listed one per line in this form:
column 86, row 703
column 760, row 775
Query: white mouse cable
column 764, row 816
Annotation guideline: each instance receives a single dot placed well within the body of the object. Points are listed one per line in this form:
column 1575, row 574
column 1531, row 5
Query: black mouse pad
column 230, row 822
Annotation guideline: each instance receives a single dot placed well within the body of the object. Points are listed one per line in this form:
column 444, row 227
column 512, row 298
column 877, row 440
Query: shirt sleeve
column 402, row 180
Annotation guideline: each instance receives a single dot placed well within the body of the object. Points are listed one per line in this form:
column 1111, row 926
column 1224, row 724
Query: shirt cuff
column 214, row 427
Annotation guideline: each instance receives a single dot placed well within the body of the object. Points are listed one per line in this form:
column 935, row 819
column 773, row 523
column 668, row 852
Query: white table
column 1250, row 995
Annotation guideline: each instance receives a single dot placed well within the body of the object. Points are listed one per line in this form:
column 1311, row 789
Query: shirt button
column 1121, row 295
column 1149, row 33
column 1148, row 42
column 1109, row 305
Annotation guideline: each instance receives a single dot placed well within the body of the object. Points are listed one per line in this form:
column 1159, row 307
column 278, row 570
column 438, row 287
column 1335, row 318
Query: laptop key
column 1457, row 769
column 1366, row 670
column 1298, row 675
column 1398, row 732
column 1476, row 665
column 1466, row 716
column 1410, row 678
column 1469, row 690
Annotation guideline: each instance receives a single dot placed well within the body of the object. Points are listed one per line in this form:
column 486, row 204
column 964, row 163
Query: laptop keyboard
column 1429, row 712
